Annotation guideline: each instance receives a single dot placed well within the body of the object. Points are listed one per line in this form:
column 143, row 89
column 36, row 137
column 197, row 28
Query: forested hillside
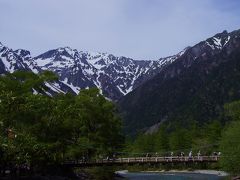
column 205, row 139
column 190, row 89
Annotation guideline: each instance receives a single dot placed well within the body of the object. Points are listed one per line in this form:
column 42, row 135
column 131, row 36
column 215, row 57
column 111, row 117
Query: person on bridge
column 190, row 155
column 114, row 156
column 171, row 156
column 198, row 154
column 182, row 155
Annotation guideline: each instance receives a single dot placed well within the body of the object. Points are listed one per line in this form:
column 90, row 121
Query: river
column 170, row 176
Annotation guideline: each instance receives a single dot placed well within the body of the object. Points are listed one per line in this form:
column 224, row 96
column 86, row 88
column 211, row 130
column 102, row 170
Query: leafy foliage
column 164, row 141
column 230, row 142
column 39, row 130
column 230, row 148
column 207, row 138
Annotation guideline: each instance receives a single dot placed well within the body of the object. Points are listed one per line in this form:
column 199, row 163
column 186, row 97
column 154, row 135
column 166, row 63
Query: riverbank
column 172, row 175
column 210, row 172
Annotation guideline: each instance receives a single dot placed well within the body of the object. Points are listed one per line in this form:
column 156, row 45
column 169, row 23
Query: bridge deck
column 142, row 160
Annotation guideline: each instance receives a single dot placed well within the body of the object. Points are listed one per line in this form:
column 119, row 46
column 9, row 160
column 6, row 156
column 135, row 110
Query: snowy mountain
column 193, row 87
column 114, row 76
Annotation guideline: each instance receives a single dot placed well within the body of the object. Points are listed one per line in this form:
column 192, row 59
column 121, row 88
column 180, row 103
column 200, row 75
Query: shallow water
column 170, row 176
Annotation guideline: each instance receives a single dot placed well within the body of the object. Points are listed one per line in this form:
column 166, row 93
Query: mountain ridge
column 114, row 76
column 147, row 92
column 185, row 90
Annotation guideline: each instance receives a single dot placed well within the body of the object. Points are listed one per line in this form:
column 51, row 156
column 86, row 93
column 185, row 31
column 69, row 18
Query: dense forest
column 187, row 90
column 39, row 131
column 220, row 135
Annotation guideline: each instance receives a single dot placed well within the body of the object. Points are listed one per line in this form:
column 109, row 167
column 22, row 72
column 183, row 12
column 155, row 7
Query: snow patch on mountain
column 54, row 87
column 74, row 88
column 228, row 38
column 218, row 41
column 114, row 76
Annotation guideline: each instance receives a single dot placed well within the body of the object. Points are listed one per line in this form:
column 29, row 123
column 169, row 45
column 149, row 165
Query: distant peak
column 67, row 48
column 22, row 52
column 92, row 54
column 225, row 32
column 222, row 34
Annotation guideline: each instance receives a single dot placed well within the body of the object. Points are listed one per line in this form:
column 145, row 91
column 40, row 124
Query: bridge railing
column 147, row 160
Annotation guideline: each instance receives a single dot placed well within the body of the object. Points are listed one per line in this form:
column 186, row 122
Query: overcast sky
column 141, row 29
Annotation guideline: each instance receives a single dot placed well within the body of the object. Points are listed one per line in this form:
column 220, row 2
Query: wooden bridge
column 142, row 160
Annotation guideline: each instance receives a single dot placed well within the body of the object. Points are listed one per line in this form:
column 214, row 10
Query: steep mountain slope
column 20, row 59
column 12, row 60
column 194, row 87
column 114, row 76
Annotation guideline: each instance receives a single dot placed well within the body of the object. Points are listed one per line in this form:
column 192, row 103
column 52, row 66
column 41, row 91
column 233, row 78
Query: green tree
column 230, row 148
column 41, row 130
column 232, row 110
column 143, row 144
column 180, row 139
column 213, row 131
column 161, row 140
column 230, row 142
